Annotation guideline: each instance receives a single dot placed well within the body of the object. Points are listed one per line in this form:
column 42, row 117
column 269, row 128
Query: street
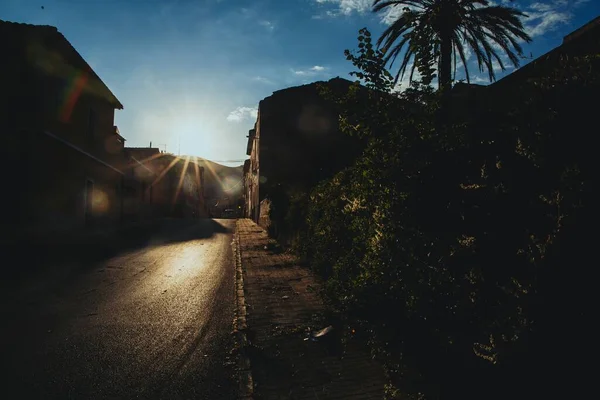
column 149, row 322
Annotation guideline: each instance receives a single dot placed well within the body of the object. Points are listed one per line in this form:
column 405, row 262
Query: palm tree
column 439, row 30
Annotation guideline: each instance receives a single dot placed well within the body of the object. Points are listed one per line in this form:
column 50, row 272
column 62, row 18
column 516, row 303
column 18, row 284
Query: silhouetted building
column 142, row 190
column 61, row 144
column 296, row 142
column 246, row 188
column 251, row 176
column 583, row 41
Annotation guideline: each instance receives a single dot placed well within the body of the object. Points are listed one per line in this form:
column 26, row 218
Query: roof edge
column 55, row 31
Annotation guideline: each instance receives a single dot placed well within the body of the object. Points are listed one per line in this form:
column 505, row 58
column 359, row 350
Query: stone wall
column 264, row 219
column 295, row 144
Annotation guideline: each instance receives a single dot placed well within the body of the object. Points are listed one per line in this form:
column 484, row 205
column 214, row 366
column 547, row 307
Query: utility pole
column 179, row 150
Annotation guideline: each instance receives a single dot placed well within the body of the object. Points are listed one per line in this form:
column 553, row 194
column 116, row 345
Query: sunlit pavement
column 153, row 322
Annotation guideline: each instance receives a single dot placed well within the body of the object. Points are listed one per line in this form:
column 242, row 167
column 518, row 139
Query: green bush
column 442, row 238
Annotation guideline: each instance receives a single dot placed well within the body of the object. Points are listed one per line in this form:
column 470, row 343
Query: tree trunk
column 445, row 64
column 444, row 80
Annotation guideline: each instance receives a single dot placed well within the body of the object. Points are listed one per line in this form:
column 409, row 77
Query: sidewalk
column 282, row 302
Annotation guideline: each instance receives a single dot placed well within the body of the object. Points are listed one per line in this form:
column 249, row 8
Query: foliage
column 443, row 240
column 370, row 63
column 441, row 30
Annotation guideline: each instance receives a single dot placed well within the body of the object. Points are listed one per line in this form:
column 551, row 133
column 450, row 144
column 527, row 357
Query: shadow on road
column 179, row 231
column 29, row 258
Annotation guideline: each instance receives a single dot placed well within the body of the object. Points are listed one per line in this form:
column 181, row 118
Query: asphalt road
column 150, row 322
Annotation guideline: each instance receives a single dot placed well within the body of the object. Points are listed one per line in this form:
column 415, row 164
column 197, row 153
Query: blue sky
column 193, row 71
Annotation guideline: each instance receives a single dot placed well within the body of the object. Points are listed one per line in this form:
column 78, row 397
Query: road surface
column 151, row 322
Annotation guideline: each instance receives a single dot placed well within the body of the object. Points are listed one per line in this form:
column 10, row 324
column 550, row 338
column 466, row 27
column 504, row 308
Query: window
column 91, row 123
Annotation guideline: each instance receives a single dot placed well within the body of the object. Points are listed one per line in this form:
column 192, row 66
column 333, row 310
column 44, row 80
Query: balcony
column 120, row 138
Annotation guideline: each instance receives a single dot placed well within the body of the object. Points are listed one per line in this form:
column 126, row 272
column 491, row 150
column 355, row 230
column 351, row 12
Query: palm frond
column 472, row 41
column 454, row 66
column 505, row 17
column 408, row 55
column 458, row 45
column 379, row 5
column 489, row 31
column 487, row 48
column 395, row 52
column 412, row 72
column 505, row 44
column 394, row 31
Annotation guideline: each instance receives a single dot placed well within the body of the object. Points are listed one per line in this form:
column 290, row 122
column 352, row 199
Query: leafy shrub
column 442, row 237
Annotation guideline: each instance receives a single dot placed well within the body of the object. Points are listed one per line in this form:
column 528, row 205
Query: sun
column 191, row 136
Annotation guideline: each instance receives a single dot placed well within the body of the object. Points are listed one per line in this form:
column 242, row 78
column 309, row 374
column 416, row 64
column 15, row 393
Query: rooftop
column 50, row 36
column 142, row 152
column 580, row 41
column 580, row 31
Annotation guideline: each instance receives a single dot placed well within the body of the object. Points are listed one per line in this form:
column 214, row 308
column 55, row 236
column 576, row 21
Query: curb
column 244, row 370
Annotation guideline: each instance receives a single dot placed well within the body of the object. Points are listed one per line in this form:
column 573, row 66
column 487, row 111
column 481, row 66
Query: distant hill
column 220, row 180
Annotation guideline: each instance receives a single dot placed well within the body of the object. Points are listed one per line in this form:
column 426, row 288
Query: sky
column 190, row 73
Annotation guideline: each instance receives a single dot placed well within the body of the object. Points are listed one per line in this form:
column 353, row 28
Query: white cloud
column 480, row 80
column 392, row 13
column 242, row 113
column 468, row 54
column 543, row 17
column 404, row 83
column 549, row 16
column 267, row 24
column 262, row 79
column 541, row 7
column 346, row 7
column 546, row 22
column 312, row 71
column 498, row 70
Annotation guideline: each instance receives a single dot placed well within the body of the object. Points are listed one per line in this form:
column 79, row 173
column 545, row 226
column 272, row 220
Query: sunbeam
column 181, row 178
column 197, row 170
column 164, row 172
column 214, row 174
column 145, row 160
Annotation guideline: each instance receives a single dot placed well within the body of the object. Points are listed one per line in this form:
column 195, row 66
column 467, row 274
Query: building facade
column 295, row 143
column 66, row 165
column 252, row 173
column 58, row 122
